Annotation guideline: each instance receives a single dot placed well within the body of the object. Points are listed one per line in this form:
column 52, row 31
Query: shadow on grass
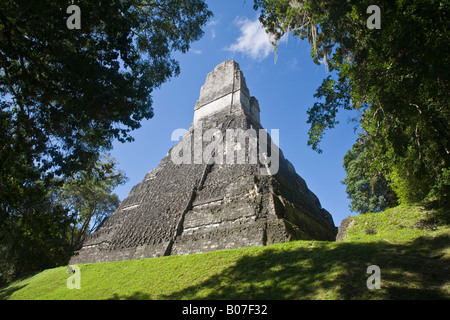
column 134, row 296
column 418, row 270
column 7, row 292
column 438, row 216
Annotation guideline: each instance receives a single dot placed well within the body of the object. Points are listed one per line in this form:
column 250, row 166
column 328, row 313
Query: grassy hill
column 410, row 244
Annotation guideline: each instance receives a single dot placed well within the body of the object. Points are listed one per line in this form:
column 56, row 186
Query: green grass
column 399, row 224
column 409, row 244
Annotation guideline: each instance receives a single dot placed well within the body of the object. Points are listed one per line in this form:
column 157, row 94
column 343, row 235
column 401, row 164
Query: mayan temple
column 224, row 185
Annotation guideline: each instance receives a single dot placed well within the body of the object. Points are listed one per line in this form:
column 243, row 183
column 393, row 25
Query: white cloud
column 212, row 24
column 293, row 64
column 253, row 40
column 196, row 51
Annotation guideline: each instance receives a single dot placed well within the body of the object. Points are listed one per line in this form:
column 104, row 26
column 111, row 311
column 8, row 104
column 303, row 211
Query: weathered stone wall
column 346, row 224
column 192, row 208
column 225, row 90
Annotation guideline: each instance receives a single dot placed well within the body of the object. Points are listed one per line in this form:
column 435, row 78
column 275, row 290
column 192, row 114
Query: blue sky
column 284, row 85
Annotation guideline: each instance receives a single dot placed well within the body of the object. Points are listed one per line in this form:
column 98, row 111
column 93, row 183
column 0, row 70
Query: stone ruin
column 203, row 204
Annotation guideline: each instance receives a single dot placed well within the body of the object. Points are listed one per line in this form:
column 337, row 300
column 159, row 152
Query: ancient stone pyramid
column 205, row 196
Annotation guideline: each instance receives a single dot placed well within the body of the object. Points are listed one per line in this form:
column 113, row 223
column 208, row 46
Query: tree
column 368, row 193
column 76, row 90
column 394, row 75
column 54, row 218
column 66, row 94
column 88, row 198
column 34, row 234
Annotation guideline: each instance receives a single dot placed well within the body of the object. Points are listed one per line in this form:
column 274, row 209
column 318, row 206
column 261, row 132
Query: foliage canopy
column 396, row 76
column 67, row 94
